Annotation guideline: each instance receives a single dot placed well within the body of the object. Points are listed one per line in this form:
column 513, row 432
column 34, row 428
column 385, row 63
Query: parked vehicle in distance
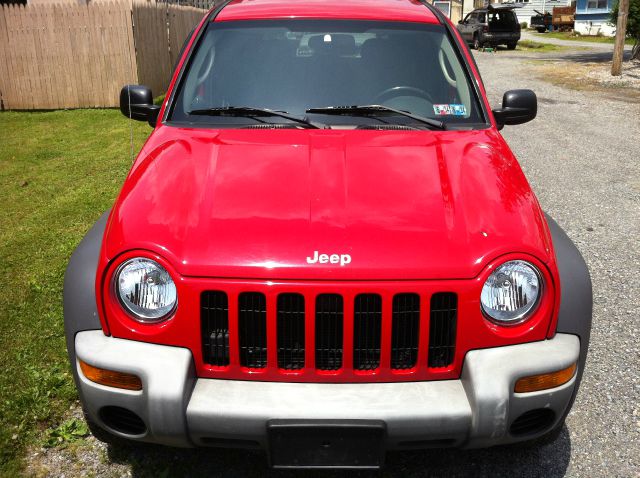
column 319, row 281
column 491, row 26
column 541, row 22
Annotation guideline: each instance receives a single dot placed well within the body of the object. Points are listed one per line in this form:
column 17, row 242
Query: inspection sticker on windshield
column 450, row 110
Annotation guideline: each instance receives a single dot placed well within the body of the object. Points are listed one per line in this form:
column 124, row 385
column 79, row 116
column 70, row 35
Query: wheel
column 390, row 93
column 512, row 46
column 541, row 29
column 477, row 44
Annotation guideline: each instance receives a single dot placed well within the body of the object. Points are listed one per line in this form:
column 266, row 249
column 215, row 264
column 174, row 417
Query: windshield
column 504, row 19
column 296, row 65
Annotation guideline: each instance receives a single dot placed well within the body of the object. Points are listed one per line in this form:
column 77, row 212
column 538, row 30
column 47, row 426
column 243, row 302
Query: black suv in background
column 491, row 26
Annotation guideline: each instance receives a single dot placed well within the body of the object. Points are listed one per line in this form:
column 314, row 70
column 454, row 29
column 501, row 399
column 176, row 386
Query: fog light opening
column 532, row 422
column 122, row 420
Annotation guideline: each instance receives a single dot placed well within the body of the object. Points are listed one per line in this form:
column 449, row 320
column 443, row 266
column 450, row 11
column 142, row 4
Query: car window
column 482, row 18
column 503, row 19
column 295, row 65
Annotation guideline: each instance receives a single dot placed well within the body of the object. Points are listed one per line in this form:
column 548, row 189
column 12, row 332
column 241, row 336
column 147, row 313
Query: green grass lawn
column 586, row 38
column 528, row 45
column 58, row 172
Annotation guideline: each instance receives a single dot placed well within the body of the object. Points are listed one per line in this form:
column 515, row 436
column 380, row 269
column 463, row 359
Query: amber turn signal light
column 544, row 381
column 110, row 378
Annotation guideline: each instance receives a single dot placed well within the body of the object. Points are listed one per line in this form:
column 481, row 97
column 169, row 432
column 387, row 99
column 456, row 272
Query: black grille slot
column 214, row 317
column 442, row 329
column 291, row 331
column 329, row 317
column 252, row 324
column 367, row 324
column 533, row 421
column 405, row 331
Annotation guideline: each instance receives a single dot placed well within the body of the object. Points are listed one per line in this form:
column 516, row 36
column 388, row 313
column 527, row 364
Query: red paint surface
column 240, row 211
column 389, row 10
column 404, row 205
column 474, row 331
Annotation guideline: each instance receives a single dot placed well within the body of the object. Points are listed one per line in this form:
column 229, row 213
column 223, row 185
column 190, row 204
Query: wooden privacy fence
column 56, row 56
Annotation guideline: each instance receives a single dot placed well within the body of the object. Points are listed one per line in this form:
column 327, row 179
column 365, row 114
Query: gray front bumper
column 182, row 410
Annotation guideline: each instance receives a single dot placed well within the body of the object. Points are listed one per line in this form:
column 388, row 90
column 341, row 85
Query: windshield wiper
column 373, row 110
column 250, row 112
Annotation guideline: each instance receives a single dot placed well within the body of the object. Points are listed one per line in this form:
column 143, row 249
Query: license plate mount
column 326, row 443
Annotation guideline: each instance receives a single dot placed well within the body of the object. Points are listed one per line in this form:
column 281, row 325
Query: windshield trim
column 484, row 122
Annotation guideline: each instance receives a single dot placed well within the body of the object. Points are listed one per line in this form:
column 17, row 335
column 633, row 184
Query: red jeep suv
column 326, row 250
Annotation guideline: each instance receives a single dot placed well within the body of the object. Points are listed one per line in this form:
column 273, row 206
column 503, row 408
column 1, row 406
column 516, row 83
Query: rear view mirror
column 136, row 102
column 518, row 106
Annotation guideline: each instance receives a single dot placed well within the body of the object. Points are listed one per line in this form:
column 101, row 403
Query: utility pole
column 621, row 33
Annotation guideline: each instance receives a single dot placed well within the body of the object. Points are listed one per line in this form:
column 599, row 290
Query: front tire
column 512, row 46
column 477, row 44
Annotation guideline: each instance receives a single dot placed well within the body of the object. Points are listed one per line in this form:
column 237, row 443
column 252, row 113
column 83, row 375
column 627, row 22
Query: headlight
column 511, row 292
column 145, row 289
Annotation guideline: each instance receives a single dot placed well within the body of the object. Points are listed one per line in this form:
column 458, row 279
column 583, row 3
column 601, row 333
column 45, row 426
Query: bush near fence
column 55, row 56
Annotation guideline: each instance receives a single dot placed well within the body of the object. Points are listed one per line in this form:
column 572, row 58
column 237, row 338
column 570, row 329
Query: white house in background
column 527, row 7
column 451, row 8
column 592, row 17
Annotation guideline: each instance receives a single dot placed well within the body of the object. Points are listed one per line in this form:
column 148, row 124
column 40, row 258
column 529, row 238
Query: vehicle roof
column 389, row 10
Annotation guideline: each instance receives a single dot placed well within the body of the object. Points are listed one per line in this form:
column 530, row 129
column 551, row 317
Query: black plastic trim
column 79, row 297
column 576, row 296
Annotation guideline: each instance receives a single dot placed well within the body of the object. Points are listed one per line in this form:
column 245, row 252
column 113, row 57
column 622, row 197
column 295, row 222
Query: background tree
column 633, row 24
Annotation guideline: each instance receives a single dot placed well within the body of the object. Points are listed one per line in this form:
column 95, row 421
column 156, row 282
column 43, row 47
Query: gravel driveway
column 582, row 157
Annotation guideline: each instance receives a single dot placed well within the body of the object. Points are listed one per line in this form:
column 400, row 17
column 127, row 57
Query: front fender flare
column 576, row 296
column 79, row 295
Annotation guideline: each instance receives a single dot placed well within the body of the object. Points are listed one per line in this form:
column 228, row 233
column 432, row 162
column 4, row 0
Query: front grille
column 291, row 331
column 214, row 312
column 252, row 323
column 405, row 330
column 367, row 325
column 442, row 329
column 332, row 339
column 329, row 329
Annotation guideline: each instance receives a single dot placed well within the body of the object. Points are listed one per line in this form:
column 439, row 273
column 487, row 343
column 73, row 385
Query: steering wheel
column 201, row 77
column 390, row 93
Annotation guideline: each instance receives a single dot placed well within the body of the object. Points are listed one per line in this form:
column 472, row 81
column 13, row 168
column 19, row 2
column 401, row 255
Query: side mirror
column 518, row 106
column 460, row 22
column 136, row 102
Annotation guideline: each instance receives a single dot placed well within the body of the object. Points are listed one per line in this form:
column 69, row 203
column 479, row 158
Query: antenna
column 133, row 74
column 132, row 154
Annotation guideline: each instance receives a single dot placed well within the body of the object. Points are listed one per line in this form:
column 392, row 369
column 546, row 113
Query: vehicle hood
column 257, row 204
